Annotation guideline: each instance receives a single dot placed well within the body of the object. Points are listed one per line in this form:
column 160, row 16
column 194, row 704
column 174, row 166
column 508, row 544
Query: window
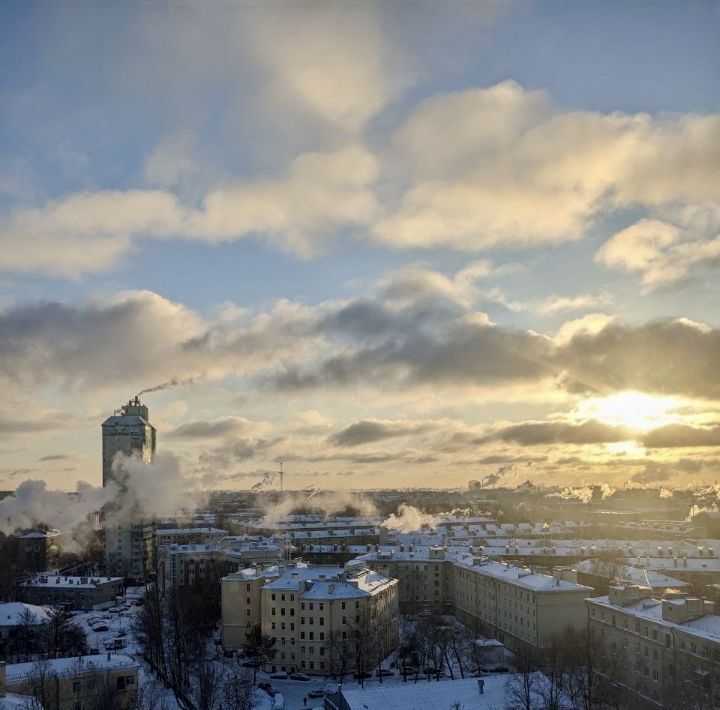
column 273, row 597
column 76, row 686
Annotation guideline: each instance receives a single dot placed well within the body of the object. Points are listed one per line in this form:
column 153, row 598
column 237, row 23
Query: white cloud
column 320, row 195
column 657, row 250
column 329, row 60
column 502, row 167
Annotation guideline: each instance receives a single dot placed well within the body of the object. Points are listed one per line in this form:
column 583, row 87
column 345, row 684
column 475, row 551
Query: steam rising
column 158, row 489
column 326, row 503
column 174, row 382
column 32, row 504
column 409, row 519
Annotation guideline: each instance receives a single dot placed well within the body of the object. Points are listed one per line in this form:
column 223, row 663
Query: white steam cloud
column 410, row 519
column 325, row 503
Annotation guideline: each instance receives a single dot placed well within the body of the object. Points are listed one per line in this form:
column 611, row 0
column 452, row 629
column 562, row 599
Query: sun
column 634, row 410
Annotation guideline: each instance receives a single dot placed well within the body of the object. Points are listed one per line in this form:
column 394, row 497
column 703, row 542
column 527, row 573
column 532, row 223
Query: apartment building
column 514, row 604
column 70, row 683
column 38, row 550
column 312, row 611
column 85, row 593
column 315, row 613
column 425, row 576
column 189, row 536
column 657, row 650
column 191, row 565
column 240, row 602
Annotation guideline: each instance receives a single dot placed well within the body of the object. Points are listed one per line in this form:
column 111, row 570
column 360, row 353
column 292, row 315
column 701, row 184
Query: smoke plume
column 174, row 382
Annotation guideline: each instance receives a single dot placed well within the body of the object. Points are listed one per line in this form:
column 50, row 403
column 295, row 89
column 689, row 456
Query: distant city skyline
column 389, row 245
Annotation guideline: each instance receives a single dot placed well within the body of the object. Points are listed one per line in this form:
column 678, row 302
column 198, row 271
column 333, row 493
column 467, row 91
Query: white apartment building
column 657, row 651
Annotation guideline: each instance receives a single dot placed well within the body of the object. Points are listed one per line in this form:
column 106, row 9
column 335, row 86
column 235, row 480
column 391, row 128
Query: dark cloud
column 662, row 357
column 211, row 430
column 678, row 435
column 366, row 432
column 55, row 457
column 534, row 433
column 232, row 452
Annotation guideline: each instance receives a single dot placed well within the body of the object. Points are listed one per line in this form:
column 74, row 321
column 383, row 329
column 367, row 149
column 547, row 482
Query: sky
column 386, row 244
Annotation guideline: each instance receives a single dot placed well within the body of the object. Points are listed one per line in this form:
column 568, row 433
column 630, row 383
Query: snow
column 16, row 672
column 11, row 613
column 430, row 695
column 54, row 580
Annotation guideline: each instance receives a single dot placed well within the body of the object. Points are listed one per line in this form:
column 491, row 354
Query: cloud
column 218, row 428
column 319, row 195
column 55, row 457
column 659, row 357
column 654, row 249
column 86, row 231
column 327, row 60
column 366, row 432
column 543, row 433
column 502, row 166
column 679, row 435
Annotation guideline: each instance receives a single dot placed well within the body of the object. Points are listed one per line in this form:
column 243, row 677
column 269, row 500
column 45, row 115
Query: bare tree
column 260, row 648
column 339, row 652
column 521, row 690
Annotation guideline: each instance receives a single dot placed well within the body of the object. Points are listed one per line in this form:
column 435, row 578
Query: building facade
column 128, row 539
column 658, row 652
column 70, row 683
column 320, row 617
column 85, row 593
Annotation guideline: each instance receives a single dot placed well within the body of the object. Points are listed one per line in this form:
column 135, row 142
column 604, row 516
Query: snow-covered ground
column 294, row 693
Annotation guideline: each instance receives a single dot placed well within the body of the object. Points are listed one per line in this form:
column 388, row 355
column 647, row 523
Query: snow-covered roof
column 432, row 695
column 124, row 420
column 361, row 584
column 627, row 573
column 707, row 626
column 58, row 581
column 520, row 576
column 13, row 613
column 190, row 531
column 17, row 672
column 293, row 575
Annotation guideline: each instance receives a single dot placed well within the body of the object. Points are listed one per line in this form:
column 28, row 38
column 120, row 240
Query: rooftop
column 433, row 695
column 17, row 672
column 15, row 613
column 54, row 580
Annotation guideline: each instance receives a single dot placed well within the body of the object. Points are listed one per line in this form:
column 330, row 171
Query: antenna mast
column 282, row 475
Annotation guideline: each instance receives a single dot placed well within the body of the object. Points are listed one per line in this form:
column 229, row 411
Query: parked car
column 250, row 663
column 267, row 688
column 384, row 672
column 280, row 675
column 299, row 676
column 317, row 693
column 100, row 627
column 359, row 676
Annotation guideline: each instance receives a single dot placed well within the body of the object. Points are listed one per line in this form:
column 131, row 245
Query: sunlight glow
column 635, row 410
